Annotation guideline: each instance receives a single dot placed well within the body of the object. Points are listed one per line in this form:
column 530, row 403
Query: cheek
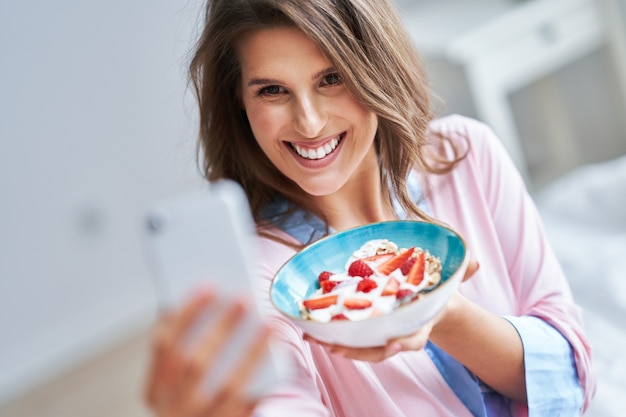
column 264, row 125
column 266, row 134
column 367, row 122
column 363, row 117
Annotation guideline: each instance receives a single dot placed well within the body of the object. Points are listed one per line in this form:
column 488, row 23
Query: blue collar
column 306, row 227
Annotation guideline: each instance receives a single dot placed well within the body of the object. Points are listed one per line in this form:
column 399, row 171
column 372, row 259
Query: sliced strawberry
column 378, row 257
column 324, row 276
column 356, row 303
column 392, row 287
column 328, row 285
column 322, row 302
column 406, row 267
column 359, row 268
column 416, row 274
column 396, row 262
column 404, row 293
column 366, row 285
column 339, row 316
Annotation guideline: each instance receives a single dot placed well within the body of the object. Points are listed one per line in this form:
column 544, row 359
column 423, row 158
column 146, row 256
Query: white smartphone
column 205, row 238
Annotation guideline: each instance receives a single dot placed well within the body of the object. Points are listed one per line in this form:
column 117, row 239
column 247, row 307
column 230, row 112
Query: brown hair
column 369, row 47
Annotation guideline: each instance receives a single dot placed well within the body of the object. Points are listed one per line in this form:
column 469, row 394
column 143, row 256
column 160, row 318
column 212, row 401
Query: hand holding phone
column 204, row 240
column 174, row 386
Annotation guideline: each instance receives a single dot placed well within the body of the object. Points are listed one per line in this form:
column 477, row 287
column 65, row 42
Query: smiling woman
column 302, row 115
column 340, row 38
column 319, row 110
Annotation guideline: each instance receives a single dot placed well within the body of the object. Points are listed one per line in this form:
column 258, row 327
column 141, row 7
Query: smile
column 319, row 152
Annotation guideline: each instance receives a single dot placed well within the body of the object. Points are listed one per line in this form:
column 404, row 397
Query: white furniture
column 504, row 46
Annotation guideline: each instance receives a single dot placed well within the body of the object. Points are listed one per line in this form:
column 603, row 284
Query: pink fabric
column 484, row 199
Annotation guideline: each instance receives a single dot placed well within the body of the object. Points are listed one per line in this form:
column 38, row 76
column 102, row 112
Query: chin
column 320, row 190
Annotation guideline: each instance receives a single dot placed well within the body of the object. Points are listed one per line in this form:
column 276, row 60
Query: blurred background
column 97, row 122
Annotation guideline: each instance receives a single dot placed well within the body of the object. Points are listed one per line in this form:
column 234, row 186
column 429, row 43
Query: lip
column 317, row 163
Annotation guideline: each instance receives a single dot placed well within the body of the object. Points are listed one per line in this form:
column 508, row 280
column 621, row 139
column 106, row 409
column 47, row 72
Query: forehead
column 278, row 49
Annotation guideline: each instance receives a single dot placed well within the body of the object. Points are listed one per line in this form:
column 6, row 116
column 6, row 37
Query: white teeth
column 318, row 153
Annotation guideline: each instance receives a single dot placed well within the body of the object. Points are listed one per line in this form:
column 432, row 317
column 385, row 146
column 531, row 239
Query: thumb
column 472, row 267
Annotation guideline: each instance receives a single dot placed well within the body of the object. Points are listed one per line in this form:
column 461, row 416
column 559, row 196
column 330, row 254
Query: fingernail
column 241, row 306
column 394, row 348
column 205, row 290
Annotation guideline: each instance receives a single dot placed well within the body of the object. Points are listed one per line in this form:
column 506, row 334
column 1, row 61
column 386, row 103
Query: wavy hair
column 368, row 45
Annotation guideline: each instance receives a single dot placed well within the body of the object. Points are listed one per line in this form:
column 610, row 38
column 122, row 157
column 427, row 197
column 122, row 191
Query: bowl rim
column 463, row 263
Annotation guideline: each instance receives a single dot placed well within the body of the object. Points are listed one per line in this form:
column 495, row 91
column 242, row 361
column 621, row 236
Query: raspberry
column 403, row 293
column 328, row 285
column 324, row 276
column 366, row 285
column 359, row 268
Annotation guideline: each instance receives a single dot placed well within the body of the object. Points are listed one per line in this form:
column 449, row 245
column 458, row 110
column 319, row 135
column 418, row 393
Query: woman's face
column 302, row 115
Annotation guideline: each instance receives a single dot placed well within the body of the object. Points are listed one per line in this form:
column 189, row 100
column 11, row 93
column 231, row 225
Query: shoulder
column 484, row 166
column 456, row 127
column 455, row 135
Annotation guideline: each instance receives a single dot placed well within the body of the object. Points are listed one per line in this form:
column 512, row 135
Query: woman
column 320, row 110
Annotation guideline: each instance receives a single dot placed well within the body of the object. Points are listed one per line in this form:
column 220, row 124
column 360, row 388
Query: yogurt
column 376, row 288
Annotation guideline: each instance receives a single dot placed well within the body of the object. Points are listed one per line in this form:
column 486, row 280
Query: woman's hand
column 174, row 384
column 415, row 341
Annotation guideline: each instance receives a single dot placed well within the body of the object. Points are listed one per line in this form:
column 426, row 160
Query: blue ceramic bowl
column 297, row 280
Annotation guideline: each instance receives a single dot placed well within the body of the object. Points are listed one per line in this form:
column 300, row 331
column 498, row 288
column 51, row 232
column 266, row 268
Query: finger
column 160, row 367
column 255, row 354
column 214, row 340
column 368, row 354
column 415, row 341
column 472, row 267
column 165, row 365
column 189, row 313
column 232, row 396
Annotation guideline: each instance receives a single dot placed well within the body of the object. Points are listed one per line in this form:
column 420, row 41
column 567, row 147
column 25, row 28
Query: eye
column 270, row 90
column 331, row 79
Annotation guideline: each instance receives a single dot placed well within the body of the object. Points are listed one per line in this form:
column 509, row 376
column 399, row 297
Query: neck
column 360, row 201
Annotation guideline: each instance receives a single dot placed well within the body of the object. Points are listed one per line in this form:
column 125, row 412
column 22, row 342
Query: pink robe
column 485, row 200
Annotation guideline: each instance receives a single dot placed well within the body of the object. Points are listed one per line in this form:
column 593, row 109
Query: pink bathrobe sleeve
column 486, row 201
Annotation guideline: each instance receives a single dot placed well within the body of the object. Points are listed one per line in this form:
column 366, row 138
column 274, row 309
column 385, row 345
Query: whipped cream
column 375, row 253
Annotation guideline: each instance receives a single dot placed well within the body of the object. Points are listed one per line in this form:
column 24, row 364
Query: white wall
column 95, row 123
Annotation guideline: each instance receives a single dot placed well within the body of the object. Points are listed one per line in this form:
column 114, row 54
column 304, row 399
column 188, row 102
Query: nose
column 309, row 116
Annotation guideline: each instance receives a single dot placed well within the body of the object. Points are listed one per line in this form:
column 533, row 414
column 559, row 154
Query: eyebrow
column 266, row 81
column 262, row 81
